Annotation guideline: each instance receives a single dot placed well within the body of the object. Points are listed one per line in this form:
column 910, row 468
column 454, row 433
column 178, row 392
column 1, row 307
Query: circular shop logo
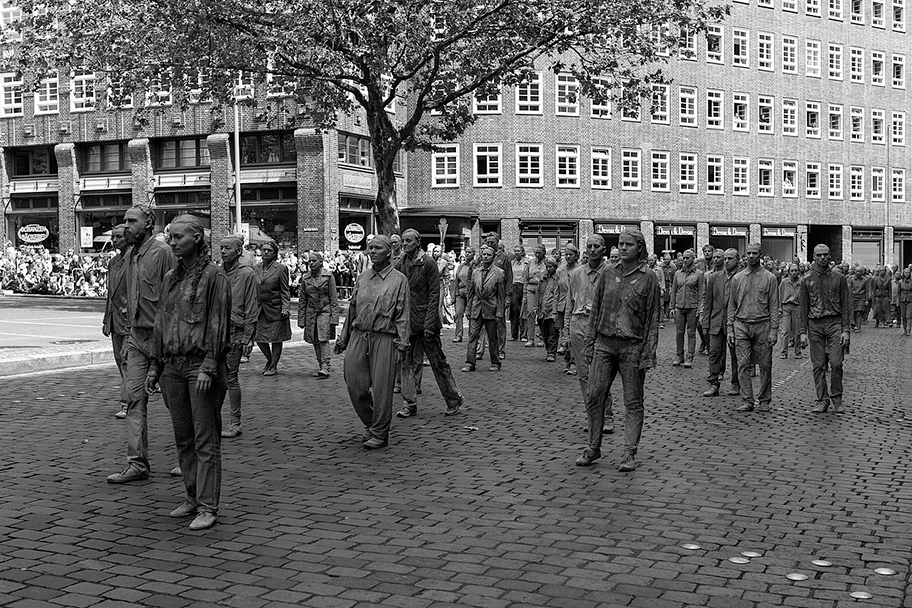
column 354, row 233
column 33, row 233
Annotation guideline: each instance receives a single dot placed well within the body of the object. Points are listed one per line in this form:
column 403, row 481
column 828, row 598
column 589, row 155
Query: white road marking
column 4, row 333
column 57, row 324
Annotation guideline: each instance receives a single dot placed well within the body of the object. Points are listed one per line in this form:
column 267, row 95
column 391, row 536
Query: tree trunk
column 385, row 147
column 386, row 206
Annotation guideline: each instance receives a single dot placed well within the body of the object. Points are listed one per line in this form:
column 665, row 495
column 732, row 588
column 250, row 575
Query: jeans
column 136, row 425
column 788, row 328
column 117, row 343
column 718, row 344
column 234, row 384
column 753, row 346
column 549, row 335
column 368, row 369
column 609, row 357
column 825, row 338
column 197, row 426
column 490, row 327
column 419, row 345
column 517, row 325
column 460, row 315
column 578, row 326
column 324, row 354
column 905, row 313
column 686, row 318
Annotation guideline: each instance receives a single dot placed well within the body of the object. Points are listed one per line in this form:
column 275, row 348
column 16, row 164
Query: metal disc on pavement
column 739, row 560
column 751, row 554
column 885, row 571
column 822, row 563
column 861, row 595
column 795, row 576
column 691, row 546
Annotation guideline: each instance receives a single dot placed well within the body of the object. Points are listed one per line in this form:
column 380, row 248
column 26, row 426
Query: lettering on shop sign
column 613, row 228
column 728, row 231
column 676, row 231
column 779, row 232
column 354, row 233
column 362, row 182
column 33, row 233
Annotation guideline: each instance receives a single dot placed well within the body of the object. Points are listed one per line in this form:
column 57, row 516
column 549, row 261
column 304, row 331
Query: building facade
column 788, row 126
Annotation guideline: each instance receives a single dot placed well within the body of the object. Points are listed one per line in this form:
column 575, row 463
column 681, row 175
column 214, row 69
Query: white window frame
column 766, row 166
column 810, row 190
column 741, row 101
column 789, row 55
column 790, row 117
column 835, row 10
column 687, row 106
column 789, row 179
column 529, row 95
column 835, row 110
column 812, row 110
column 898, row 128
column 812, row 8
column 740, row 48
column 834, row 61
column 712, row 56
column 856, row 183
column 740, row 176
column 687, row 45
column 878, row 136
column 835, row 185
column 631, row 169
column 659, row 112
column 878, row 77
column 765, row 55
column 858, row 16
column 717, row 162
column 790, row 6
column 878, row 184
column 812, row 58
column 601, row 110
column 659, row 171
column 157, row 93
column 493, row 153
column 899, row 8
column 857, row 118
column 566, row 166
column 856, row 65
column 530, row 155
column 83, row 91
column 600, row 176
column 445, row 166
column 715, row 98
column 768, row 103
column 244, row 85
column 489, row 105
column 47, row 95
column 898, row 60
column 898, row 185
column 877, row 16
column 687, row 172
column 566, row 95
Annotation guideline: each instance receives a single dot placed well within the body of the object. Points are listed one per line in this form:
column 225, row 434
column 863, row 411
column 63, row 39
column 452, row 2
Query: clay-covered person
column 318, row 310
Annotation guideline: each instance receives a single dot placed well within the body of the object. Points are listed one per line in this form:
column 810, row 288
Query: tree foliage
column 336, row 56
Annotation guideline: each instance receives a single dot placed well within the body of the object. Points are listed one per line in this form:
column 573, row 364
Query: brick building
column 788, row 126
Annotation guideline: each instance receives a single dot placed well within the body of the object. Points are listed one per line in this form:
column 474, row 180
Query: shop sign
column 735, row 231
column 361, row 182
column 676, row 231
column 783, row 233
column 354, row 233
column 33, row 233
column 613, row 228
column 86, row 237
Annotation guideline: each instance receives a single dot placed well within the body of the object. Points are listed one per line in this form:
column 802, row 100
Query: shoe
column 271, row 372
column 245, row 359
column 512, row 339
column 661, row 326
column 560, row 350
column 628, row 464
column 608, row 429
column 397, row 390
column 367, row 435
column 231, row 431
column 323, row 373
column 502, row 355
column 838, row 408
column 540, row 344
column 572, row 371
column 734, row 391
column 764, row 407
column 452, row 411
column 494, row 368
column 457, row 340
column 783, row 356
column 689, row 361
column 529, row 344
column 468, row 368
column 418, row 390
column 203, row 521
column 745, row 407
column 176, row 472
column 131, row 473
column 524, row 339
column 712, row 392
column 821, row 407
column 184, row 510
column 798, row 355
column 677, row 362
column 122, row 412
column 550, row 359
column 407, row 412
column 588, row 457
column 373, row 443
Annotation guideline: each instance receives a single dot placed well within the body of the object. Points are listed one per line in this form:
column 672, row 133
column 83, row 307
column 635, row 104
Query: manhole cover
column 62, row 342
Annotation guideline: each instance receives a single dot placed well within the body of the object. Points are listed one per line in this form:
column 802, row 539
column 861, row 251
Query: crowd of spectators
column 38, row 271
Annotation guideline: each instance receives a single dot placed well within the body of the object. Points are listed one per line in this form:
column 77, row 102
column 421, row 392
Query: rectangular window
column 765, row 3
column 179, row 153
column 877, row 126
column 835, row 61
column 812, row 180
column 279, row 148
column 740, row 176
column 812, row 7
column 488, row 171
column 812, row 119
column 857, row 124
column 33, row 161
column 567, row 165
column 688, row 45
column 835, row 11
column 740, row 112
column 789, row 179
column 790, row 6
column 105, row 158
column 714, row 44
column 528, row 95
column 601, row 168
column 243, row 86
column 835, row 122
column 660, row 171
column 740, row 48
column 765, row 114
column 158, row 89
column 765, row 177
column 715, row 178
column 899, row 186
column 899, row 16
column 687, row 99
column 856, row 65
column 899, row 71
column 47, row 97
column 714, row 100
column 82, row 91
column 445, row 165
column 687, row 169
column 858, row 11
column 487, row 104
column 878, row 192
column 601, row 108
column 856, row 183
column 630, row 110
column 630, row 169
column 790, row 117
column 765, row 51
column 877, row 68
column 898, row 135
column 660, row 104
column 789, row 55
column 528, row 165
column 834, row 176
column 812, row 58
column 566, row 95
column 877, row 14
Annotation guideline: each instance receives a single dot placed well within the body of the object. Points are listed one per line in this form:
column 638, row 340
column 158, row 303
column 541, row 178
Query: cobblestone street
column 482, row 509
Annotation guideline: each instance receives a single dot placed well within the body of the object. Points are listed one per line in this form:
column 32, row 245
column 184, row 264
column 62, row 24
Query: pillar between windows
column 647, row 227
column 67, row 193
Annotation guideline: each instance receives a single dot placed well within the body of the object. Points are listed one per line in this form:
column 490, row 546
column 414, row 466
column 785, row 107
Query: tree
column 334, row 56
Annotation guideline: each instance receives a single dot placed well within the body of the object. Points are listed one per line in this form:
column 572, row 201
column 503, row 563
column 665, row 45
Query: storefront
column 902, row 247
column 729, row 237
column 867, row 247
column 553, row 235
column 454, row 221
column 611, row 232
column 779, row 242
column 271, row 211
column 674, row 239
column 100, row 212
column 171, row 203
column 356, row 222
column 32, row 221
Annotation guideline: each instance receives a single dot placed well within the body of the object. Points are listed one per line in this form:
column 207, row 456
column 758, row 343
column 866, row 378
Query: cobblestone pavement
column 482, row 509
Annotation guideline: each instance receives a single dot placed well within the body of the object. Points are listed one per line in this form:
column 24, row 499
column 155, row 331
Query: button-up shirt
column 753, row 298
column 824, row 294
column 519, row 270
column 625, row 306
column 535, row 270
column 380, row 304
column 463, row 278
column 547, row 297
column 687, row 288
column 116, row 305
column 563, row 285
column 714, row 316
column 147, row 269
column 486, row 295
column 788, row 292
column 244, row 305
column 424, row 291
column 581, row 288
column 881, row 287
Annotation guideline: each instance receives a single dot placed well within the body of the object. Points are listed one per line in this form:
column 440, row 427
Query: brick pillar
column 314, row 231
column 141, row 169
column 755, row 235
column 4, row 200
column 702, row 237
column 801, row 246
column 509, row 232
column 846, row 244
column 585, row 230
column 475, row 241
column 888, row 245
column 221, row 189
column 68, row 178
column 647, row 227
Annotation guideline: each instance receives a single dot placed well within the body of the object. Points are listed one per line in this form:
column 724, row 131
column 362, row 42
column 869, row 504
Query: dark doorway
column 831, row 236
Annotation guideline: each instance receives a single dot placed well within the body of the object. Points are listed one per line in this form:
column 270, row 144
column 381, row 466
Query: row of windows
column 654, row 172
column 855, row 10
column 356, row 150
